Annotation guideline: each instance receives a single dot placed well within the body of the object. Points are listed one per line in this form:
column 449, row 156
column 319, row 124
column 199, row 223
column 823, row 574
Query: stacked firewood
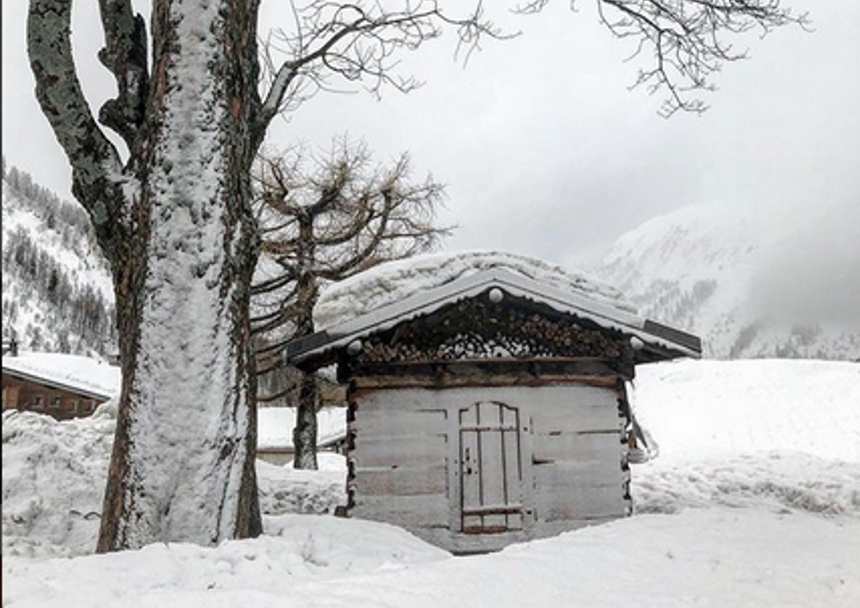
column 475, row 329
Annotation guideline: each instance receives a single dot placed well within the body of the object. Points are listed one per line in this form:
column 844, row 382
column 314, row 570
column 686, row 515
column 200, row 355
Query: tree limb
column 689, row 40
column 124, row 54
column 358, row 41
column 96, row 166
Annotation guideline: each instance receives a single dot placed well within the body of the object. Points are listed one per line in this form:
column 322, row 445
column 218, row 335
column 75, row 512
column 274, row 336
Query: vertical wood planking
column 466, row 440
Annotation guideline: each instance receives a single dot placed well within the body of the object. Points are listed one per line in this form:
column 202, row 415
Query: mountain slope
column 57, row 290
column 714, row 272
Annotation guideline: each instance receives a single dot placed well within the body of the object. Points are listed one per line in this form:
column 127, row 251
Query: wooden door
column 492, row 497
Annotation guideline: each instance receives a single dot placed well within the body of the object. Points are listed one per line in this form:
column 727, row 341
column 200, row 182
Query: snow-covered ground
column 781, row 434
column 753, row 501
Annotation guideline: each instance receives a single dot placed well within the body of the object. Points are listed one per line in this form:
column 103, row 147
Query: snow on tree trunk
column 183, row 462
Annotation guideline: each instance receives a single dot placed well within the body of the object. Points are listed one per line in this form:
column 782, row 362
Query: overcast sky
column 544, row 149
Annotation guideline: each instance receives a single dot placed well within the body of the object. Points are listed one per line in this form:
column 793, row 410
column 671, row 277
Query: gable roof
column 74, row 373
column 393, row 281
column 661, row 340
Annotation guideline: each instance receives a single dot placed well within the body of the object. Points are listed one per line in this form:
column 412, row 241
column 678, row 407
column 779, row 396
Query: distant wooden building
column 62, row 386
column 490, row 410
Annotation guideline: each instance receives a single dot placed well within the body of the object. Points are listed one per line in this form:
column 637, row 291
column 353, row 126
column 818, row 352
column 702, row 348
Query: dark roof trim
column 658, row 337
column 673, row 335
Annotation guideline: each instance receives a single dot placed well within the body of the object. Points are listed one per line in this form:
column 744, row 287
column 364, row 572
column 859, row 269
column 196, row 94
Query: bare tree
column 688, row 40
column 173, row 214
column 326, row 218
column 176, row 224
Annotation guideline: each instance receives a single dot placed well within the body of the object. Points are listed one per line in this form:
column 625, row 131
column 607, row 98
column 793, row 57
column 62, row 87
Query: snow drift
column 754, row 501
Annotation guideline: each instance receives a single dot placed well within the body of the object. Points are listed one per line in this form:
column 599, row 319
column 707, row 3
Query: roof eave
column 319, row 349
column 83, row 392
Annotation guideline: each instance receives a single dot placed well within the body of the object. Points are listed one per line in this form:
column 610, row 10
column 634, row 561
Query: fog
column 546, row 152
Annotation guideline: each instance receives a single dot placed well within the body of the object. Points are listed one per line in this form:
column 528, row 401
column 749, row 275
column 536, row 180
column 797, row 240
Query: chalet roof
column 661, row 340
column 83, row 375
column 397, row 280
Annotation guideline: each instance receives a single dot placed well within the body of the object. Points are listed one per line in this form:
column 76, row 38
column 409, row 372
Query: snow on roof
column 395, row 281
column 275, row 426
column 73, row 372
column 392, row 293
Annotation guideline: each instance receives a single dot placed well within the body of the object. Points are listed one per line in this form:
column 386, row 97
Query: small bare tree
column 324, row 219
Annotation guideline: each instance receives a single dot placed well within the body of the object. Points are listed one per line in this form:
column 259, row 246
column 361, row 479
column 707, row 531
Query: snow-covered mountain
column 57, row 290
column 710, row 270
column 737, row 280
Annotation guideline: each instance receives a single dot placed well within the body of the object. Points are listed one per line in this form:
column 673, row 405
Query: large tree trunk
column 183, row 463
column 177, row 227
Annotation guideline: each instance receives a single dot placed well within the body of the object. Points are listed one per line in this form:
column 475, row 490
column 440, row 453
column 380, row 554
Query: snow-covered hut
column 60, row 385
column 487, row 395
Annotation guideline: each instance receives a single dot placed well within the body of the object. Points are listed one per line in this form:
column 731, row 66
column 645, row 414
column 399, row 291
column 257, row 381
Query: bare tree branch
column 124, row 55
column 358, row 42
column 96, row 166
column 338, row 217
column 689, row 40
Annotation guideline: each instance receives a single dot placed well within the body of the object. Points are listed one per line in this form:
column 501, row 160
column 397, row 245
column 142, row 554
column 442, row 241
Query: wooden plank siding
column 55, row 401
column 580, row 502
column 385, row 481
column 604, row 447
column 409, row 511
column 374, row 423
column 400, row 452
column 409, row 460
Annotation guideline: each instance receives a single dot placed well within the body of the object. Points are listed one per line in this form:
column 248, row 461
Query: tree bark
column 307, row 294
column 305, row 431
column 176, row 225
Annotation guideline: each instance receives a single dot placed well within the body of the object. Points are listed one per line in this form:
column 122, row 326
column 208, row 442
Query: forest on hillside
column 54, row 276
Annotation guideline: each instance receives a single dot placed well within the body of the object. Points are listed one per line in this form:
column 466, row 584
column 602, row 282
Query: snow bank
column 53, row 482
column 275, row 426
column 284, row 489
column 295, row 549
column 708, row 558
column 783, row 482
column 698, row 408
column 395, row 281
column 54, row 475
column 778, row 433
column 731, row 514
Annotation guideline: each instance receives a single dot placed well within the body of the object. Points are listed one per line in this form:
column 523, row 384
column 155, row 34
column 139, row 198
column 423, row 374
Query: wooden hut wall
column 398, row 460
column 55, row 401
column 408, row 465
column 579, row 458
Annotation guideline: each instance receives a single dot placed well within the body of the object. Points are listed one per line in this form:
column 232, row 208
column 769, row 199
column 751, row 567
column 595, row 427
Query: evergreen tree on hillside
column 72, row 315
